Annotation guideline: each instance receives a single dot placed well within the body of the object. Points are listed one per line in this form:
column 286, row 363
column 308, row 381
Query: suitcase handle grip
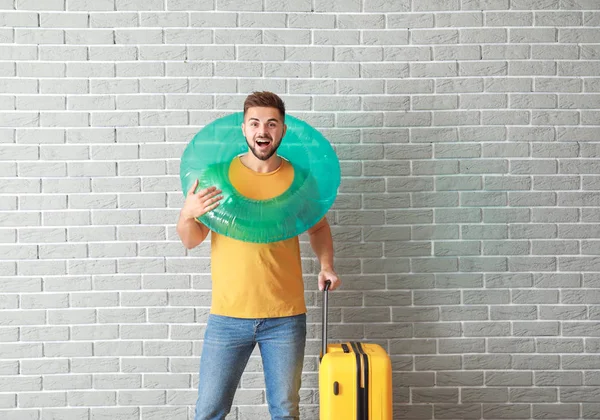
column 325, row 310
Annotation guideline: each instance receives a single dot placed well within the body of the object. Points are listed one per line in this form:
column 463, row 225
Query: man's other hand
column 200, row 203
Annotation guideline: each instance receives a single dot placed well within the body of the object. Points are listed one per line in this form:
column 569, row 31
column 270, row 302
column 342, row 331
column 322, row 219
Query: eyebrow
column 256, row 119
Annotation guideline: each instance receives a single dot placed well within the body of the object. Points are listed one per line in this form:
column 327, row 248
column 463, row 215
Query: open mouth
column 263, row 143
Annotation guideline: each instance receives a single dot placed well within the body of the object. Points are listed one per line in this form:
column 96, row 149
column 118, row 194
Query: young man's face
column 263, row 128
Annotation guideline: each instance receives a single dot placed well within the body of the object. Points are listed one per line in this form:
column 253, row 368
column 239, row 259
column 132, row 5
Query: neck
column 261, row 166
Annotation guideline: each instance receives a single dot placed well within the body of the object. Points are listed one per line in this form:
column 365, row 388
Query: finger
column 206, row 191
column 321, row 282
column 212, row 207
column 212, row 200
column 194, row 186
column 212, row 194
column 335, row 282
column 208, row 198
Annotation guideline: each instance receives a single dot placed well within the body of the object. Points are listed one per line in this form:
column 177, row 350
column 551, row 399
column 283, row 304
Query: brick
column 468, row 150
column 372, row 119
column 533, row 231
column 396, row 119
column 540, row 199
column 457, row 215
column 435, row 232
column 391, row 265
column 578, row 199
column 409, row 249
column 409, row 184
column 410, row 20
column 409, row 216
column 407, row 53
column 483, row 166
column 445, row 118
column 485, row 232
column 122, row 282
column 433, row 70
column 556, row 183
column 545, row 52
column 532, row 263
column 555, row 247
column 506, row 248
column 435, row 102
column 456, row 183
column 460, row 85
column 162, row 19
column 340, row 70
column 480, row 199
column 336, row 37
column 441, row 199
column 531, row 68
column 434, row 265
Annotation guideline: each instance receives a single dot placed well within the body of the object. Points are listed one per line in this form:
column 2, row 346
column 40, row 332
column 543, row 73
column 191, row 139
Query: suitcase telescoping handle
column 325, row 310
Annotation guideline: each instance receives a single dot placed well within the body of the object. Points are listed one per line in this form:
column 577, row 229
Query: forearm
column 191, row 232
column 322, row 245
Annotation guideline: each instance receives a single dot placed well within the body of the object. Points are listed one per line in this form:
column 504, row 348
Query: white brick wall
column 466, row 226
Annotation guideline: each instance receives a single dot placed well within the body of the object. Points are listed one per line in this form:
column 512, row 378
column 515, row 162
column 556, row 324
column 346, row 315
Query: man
column 257, row 289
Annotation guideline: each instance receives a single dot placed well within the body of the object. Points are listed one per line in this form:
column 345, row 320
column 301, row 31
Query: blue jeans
column 228, row 344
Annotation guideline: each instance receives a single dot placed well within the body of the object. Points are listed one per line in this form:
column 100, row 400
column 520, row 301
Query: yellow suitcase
column 355, row 379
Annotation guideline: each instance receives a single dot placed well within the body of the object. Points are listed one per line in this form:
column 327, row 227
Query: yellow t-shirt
column 252, row 280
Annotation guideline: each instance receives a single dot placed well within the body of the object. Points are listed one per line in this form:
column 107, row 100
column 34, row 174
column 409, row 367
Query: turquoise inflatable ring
column 316, row 181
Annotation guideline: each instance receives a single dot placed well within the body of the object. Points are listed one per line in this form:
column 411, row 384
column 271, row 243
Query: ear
column 284, row 130
column 244, row 129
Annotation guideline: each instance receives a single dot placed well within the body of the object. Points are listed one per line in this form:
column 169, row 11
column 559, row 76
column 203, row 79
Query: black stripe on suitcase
column 366, row 381
column 362, row 371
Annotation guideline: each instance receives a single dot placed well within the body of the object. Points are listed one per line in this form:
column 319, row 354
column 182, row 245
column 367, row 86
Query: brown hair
column 265, row 99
